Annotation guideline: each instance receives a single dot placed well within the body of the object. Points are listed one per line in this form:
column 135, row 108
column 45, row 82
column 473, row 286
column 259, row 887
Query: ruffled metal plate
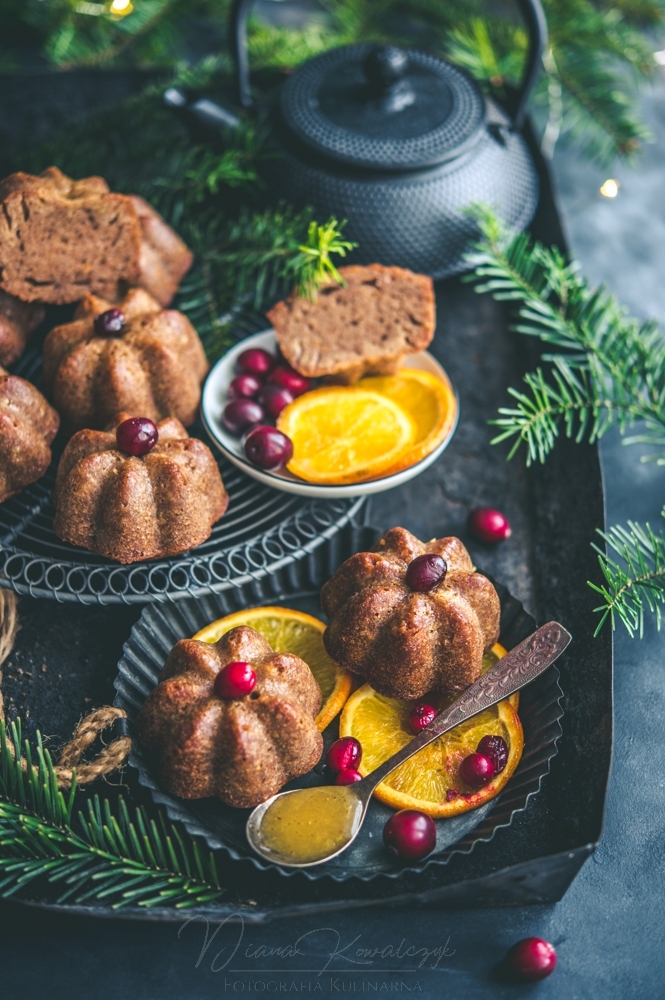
column 223, row 828
column 262, row 532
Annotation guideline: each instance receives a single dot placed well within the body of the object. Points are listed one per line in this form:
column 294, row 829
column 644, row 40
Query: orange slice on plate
column 290, row 631
column 429, row 781
column 343, row 434
column 430, row 401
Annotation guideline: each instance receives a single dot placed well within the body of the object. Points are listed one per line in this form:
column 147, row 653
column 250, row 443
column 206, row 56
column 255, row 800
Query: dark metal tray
column 554, row 511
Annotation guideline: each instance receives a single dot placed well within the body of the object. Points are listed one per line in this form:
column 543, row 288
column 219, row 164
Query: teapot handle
column 531, row 10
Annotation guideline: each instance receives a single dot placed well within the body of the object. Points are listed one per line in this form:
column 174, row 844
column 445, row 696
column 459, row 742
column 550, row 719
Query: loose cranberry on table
column 245, row 386
column 273, row 399
column 531, row 959
column 235, row 680
column 254, row 361
column 344, row 753
column 420, row 717
column 496, row 748
column 476, row 770
column 240, row 414
column 268, row 448
column 108, row 323
column 489, row 525
column 288, row 378
column 410, row 834
column 426, row 572
column 348, row 776
column 136, row 436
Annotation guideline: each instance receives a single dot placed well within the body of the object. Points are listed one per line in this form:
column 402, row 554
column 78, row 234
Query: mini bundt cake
column 61, row 239
column 411, row 617
column 134, row 357
column 240, row 745
column 138, row 492
column 18, row 320
column 27, row 427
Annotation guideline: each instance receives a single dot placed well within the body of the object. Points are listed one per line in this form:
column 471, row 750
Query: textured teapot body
column 417, row 219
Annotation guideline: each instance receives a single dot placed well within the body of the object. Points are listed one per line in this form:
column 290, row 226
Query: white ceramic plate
column 215, row 398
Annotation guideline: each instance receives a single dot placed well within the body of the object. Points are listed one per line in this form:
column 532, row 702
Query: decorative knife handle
column 517, row 668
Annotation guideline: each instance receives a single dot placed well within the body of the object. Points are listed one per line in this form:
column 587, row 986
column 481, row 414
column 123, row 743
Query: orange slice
column 430, row 401
column 430, row 780
column 343, row 434
column 290, row 631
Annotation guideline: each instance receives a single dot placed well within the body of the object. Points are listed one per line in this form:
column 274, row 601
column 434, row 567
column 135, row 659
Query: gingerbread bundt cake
column 139, row 492
column 61, row 239
column 18, row 320
column 240, row 743
column 411, row 617
column 27, row 427
column 133, row 357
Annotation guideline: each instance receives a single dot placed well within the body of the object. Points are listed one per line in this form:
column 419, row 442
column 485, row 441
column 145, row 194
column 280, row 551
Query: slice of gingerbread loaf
column 62, row 239
column 364, row 327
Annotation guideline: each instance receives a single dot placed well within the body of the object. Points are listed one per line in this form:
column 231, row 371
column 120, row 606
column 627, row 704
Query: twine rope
column 109, row 758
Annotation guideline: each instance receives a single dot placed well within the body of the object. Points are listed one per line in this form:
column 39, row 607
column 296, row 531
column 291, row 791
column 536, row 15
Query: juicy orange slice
column 343, row 434
column 290, row 631
column 430, row 780
column 430, row 401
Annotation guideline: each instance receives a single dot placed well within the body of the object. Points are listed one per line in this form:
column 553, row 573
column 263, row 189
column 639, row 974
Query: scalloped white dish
column 215, row 398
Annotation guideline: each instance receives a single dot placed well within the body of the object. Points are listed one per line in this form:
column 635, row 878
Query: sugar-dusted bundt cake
column 27, row 427
column 61, row 239
column 134, row 357
column 411, row 617
column 18, row 320
column 238, row 742
column 138, row 492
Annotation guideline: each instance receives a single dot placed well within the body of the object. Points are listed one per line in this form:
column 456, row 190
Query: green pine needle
column 313, row 266
column 94, row 854
column 636, row 583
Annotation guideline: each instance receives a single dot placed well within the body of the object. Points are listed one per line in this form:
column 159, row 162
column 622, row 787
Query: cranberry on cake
column 27, row 427
column 364, row 327
column 232, row 719
column 138, row 492
column 134, row 356
column 411, row 617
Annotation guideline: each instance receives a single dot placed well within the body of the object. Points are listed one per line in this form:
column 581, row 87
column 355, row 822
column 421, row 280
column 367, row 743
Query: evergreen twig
column 635, row 584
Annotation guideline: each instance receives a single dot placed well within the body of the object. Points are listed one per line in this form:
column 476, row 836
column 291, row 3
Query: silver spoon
column 519, row 667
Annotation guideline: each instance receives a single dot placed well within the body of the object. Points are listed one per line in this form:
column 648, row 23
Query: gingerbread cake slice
column 364, row 327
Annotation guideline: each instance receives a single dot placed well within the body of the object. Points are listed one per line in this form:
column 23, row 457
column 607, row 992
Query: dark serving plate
column 223, row 828
column 554, row 510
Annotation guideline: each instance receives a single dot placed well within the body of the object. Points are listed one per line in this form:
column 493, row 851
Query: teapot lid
column 383, row 107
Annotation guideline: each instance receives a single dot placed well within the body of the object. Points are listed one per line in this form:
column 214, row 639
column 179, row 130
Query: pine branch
column 608, row 369
column 313, row 266
column 635, row 584
column 92, row 854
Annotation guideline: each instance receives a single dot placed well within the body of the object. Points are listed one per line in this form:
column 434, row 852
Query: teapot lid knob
column 384, row 65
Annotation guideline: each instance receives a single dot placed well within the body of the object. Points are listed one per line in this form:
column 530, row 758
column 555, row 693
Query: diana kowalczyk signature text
column 226, row 945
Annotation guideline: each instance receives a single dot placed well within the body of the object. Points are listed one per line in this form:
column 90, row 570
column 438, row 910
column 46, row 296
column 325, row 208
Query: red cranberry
column 410, row 834
column 268, row 448
column 496, row 748
column 476, row 770
column 420, row 717
column 348, row 776
column 532, row 959
column 235, row 680
column 254, row 361
column 273, row 399
column 426, row 572
column 240, row 414
column 488, row 525
column 289, row 379
column 245, row 386
column 136, row 436
column 344, row 753
column 108, row 323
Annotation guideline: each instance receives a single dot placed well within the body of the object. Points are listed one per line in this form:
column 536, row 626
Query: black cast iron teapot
column 399, row 143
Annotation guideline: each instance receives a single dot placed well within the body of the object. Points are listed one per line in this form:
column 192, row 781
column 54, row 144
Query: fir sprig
column 608, row 369
column 92, row 854
column 635, row 584
column 313, row 266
